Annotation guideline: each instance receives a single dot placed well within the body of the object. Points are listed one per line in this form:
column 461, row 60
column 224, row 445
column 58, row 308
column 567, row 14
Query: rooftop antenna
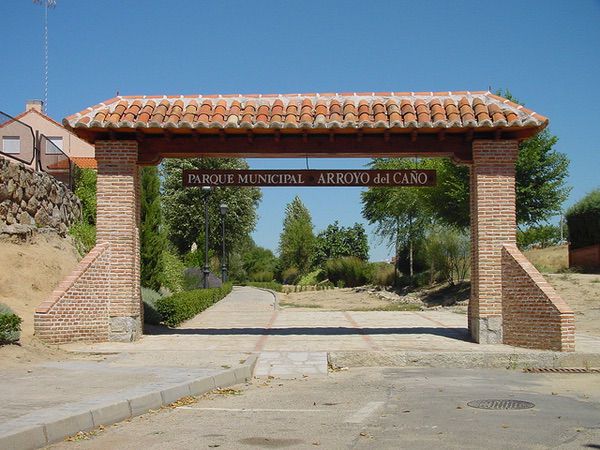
column 46, row 4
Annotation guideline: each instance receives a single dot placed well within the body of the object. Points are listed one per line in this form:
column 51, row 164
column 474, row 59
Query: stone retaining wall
column 534, row 315
column 35, row 199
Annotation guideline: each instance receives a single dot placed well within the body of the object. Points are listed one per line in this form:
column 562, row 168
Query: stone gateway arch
column 510, row 301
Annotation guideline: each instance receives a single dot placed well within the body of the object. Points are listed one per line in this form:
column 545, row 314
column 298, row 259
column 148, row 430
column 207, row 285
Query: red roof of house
column 82, row 163
column 379, row 110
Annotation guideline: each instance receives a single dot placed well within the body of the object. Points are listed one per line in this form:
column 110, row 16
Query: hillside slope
column 30, row 271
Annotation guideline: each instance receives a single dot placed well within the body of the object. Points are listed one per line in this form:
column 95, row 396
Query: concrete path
column 292, row 342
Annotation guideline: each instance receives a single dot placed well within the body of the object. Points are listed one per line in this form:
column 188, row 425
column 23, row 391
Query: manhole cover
column 500, row 404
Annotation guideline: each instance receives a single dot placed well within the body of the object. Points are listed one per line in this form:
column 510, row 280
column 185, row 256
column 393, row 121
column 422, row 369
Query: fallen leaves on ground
column 227, row 391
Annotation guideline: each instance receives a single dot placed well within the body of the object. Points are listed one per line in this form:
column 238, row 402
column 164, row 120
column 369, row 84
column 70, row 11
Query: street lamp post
column 206, row 271
column 224, row 209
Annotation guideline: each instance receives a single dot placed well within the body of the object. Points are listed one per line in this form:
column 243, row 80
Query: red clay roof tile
column 443, row 109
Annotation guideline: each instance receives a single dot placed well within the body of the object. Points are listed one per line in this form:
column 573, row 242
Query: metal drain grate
column 561, row 370
column 500, row 404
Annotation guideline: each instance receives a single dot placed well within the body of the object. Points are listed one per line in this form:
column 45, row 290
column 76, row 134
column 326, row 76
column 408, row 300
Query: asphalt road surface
column 373, row 408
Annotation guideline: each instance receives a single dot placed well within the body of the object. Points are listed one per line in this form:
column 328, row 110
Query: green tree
column 258, row 259
column 152, row 241
column 183, row 208
column 400, row 214
column 296, row 242
column 337, row 241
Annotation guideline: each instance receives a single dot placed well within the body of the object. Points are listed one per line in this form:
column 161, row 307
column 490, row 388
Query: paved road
column 375, row 409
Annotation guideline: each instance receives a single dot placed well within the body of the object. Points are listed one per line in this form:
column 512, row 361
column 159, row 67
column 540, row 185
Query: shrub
column 290, row 276
column 149, row 299
column 84, row 235
column 185, row 305
column 85, row 190
column 583, row 221
column 349, row 270
column 312, row 278
column 263, row 276
column 449, row 255
column 10, row 325
column 382, row 274
column 172, row 277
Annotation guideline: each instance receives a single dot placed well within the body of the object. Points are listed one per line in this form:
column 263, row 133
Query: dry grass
column 550, row 259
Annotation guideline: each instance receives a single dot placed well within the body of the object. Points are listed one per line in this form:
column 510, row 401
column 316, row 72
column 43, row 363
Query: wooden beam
column 295, row 146
column 469, row 135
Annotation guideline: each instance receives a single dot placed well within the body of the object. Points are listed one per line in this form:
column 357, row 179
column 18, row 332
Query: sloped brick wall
column 534, row 315
column 77, row 310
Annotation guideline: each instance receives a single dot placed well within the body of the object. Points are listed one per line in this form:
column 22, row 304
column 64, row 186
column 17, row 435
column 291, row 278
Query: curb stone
column 504, row 360
column 32, row 435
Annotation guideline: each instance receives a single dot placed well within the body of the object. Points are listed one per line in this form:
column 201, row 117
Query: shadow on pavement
column 453, row 333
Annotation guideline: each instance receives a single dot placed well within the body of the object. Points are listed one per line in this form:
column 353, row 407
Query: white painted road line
column 362, row 414
column 251, row 409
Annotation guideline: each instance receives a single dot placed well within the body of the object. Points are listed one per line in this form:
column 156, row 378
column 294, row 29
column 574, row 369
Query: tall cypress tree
column 152, row 238
column 296, row 242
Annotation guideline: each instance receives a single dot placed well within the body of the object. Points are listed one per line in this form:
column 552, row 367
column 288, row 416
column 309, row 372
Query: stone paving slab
column 291, row 364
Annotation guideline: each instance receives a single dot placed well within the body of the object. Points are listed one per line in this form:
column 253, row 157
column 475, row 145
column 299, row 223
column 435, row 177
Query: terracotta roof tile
column 444, row 109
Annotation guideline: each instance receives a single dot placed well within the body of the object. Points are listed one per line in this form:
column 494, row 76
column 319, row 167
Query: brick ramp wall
column 534, row 315
column 77, row 310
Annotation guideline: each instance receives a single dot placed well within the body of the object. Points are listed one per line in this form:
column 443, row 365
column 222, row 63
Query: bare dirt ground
column 580, row 291
column 346, row 299
column 29, row 272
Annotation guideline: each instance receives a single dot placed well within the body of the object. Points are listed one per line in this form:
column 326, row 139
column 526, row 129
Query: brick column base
column 118, row 218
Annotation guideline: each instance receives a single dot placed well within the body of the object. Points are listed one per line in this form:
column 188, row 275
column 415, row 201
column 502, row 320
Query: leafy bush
column 172, row 277
column 85, row 190
column 583, row 220
column 84, row 235
column 264, row 276
column 347, row 271
column 10, row 325
column 272, row 285
column 290, row 276
column 149, row 299
column 312, row 278
column 185, row 305
column 382, row 274
column 449, row 255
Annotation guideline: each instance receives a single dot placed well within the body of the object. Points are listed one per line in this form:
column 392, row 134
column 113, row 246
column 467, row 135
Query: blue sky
column 546, row 52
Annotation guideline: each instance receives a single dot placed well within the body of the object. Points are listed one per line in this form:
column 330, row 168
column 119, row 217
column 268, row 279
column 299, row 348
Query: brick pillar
column 493, row 224
column 118, row 219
